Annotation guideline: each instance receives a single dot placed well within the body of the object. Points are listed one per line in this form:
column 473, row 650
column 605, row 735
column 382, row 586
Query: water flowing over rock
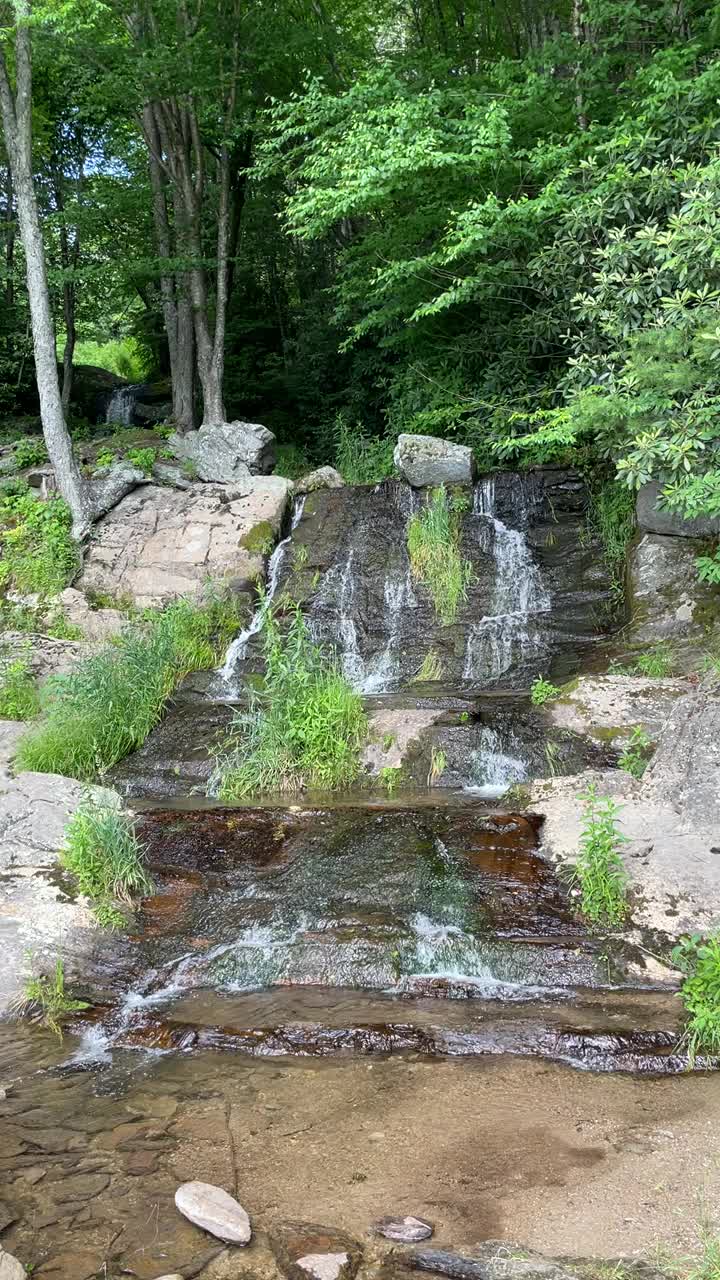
column 427, row 460
column 121, row 406
column 215, row 1211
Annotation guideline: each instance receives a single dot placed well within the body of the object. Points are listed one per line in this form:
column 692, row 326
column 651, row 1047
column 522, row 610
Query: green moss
column 260, row 540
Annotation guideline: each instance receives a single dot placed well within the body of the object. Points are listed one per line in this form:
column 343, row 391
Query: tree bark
column 10, row 245
column 16, row 110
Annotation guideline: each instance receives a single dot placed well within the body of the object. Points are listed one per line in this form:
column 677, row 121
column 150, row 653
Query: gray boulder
column 322, row 478
column 214, row 1210
column 667, row 599
column 427, row 460
column 651, row 519
column 110, row 485
column 227, row 452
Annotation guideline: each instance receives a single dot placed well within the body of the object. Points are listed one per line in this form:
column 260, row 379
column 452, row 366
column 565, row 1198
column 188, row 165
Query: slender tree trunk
column 10, row 245
column 17, row 126
column 579, row 36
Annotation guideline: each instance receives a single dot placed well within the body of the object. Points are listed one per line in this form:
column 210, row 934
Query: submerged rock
column 407, row 1230
column 305, row 1251
column 493, row 1260
column 227, row 452
column 428, row 460
column 322, row 478
column 215, row 1211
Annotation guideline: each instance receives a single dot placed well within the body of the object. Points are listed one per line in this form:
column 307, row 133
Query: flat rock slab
column 159, row 544
column 611, row 706
column 407, row 1230
column 215, row 1211
column 305, row 1251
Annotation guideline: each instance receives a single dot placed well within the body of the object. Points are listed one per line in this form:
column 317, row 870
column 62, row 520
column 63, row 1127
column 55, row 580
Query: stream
column 337, row 1008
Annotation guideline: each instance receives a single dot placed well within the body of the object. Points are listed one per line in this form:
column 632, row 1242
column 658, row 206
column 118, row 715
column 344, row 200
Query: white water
column 493, row 768
column 121, row 406
column 498, row 639
column 239, row 646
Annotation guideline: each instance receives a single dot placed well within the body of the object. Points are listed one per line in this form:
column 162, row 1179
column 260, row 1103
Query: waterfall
column 121, row 406
column 238, row 648
column 376, row 674
column 496, row 764
column 519, row 593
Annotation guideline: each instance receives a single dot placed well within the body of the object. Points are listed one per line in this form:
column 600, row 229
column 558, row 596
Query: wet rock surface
column 407, row 1230
column 161, row 543
column 309, row 1252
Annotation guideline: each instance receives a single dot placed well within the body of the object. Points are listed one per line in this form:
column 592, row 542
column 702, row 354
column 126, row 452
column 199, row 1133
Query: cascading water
column 505, row 635
column 238, row 649
column 121, row 406
column 496, row 764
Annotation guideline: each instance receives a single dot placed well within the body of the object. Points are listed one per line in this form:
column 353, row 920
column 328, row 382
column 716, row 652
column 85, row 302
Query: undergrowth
column 599, row 873
column 361, row 458
column 611, row 516
column 19, row 698
column 107, row 705
column 304, row 729
column 37, row 553
column 104, row 855
column 433, row 541
column 699, row 960
column 46, row 997
column 636, row 754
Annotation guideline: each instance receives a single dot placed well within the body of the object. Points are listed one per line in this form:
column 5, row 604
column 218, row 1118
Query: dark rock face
column 667, row 599
column 537, row 584
column 493, row 1260
column 652, row 519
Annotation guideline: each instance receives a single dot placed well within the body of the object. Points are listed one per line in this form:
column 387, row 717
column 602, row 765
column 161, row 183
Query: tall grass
column 107, row 706
column 102, row 852
column 305, row 728
column 361, row 458
column 599, row 872
column 433, row 541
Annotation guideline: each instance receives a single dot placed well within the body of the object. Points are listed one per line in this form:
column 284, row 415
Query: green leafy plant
column 305, row 727
column 292, row 461
column 599, row 872
column 636, row 754
column 108, row 704
column 103, row 854
column 433, row 541
column 438, row 765
column 388, row 741
column 390, row 776
column 105, row 457
column 31, row 451
column 698, row 959
column 542, row 691
column 46, row 997
column 37, row 550
column 18, row 692
column 657, row 663
column 708, row 567
column 143, row 459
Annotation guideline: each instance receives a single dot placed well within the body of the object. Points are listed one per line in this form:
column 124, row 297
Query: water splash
column 238, row 648
column 505, row 636
column 496, row 764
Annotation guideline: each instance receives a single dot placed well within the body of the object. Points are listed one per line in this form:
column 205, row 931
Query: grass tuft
column 19, row 698
column 304, row 729
column 107, row 706
column 636, row 755
column 104, row 855
column 45, row 996
column 431, row 669
column 433, row 541
column 599, row 872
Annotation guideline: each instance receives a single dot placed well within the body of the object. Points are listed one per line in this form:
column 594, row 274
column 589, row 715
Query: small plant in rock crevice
column 390, row 777
column 438, row 765
column 433, row 542
column 431, row 669
column 104, row 855
column 656, row 663
column 46, row 997
column 305, row 727
column 635, row 757
column 698, row 959
column 599, row 874
column 542, row 691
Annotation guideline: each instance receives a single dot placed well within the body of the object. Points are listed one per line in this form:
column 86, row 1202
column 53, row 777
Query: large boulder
column 228, row 452
column 160, row 543
column 427, row 460
column 654, row 519
column 667, row 599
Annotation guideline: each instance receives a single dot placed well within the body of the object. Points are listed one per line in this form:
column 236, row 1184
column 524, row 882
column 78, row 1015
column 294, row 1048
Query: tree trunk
column 10, row 245
column 17, row 126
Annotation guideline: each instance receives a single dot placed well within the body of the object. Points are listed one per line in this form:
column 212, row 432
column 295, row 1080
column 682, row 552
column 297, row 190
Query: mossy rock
column 260, row 540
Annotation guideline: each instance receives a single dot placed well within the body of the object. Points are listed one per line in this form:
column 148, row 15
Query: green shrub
column 46, row 996
column 361, row 458
column 38, row 553
column 542, row 690
column 122, row 356
column 304, row 729
column 390, row 776
column 18, row 692
column 105, row 457
column 31, row 451
column 103, row 854
column 699, row 959
column 708, row 567
column 611, row 515
column 433, row 541
column 599, row 872
column 636, row 755
column 107, row 706
column 292, row 461
column 143, row 459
